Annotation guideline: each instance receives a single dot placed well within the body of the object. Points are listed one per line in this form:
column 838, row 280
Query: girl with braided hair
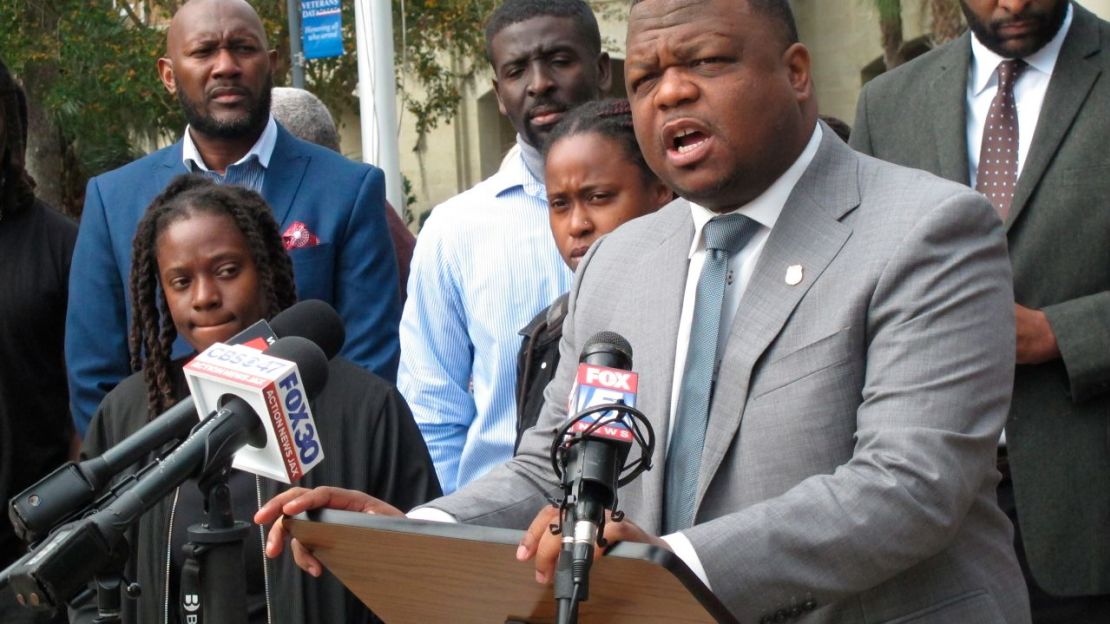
column 231, row 211
column 208, row 262
column 597, row 179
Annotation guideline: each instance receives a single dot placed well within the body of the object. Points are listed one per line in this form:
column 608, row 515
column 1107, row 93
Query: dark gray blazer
column 849, row 457
column 1059, row 237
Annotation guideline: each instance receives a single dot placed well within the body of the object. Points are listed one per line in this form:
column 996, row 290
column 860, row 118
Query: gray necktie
column 998, row 153
column 724, row 236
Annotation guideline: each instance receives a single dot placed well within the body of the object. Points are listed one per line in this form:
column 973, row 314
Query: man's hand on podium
column 541, row 543
column 297, row 500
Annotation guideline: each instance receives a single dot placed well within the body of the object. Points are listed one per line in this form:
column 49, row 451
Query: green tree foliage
column 88, row 67
column 91, row 83
column 440, row 45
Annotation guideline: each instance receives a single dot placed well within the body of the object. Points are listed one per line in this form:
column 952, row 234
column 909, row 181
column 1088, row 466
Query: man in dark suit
column 330, row 209
column 1050, row 184
column 824, row 344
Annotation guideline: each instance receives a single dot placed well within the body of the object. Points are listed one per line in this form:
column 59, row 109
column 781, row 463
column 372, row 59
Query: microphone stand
column 110, row 585
column 213, row 580
column 588, row 490
column 58, row 568
column 567, row 594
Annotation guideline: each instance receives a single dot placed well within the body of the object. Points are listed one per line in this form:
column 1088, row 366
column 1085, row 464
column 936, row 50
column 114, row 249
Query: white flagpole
column 377, row 93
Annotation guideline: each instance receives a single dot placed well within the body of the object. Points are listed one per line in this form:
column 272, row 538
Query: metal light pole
column 377, row 93
column 296, row 56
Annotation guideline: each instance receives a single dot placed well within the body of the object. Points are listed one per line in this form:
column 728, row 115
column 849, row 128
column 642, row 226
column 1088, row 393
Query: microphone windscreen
column 311, row 362
column 606, row 348
column 315, row 320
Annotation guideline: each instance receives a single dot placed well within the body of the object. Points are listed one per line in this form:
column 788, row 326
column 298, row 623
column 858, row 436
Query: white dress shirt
column 1029, row 92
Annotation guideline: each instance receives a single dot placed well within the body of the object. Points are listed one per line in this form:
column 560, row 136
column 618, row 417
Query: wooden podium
column 429, row 572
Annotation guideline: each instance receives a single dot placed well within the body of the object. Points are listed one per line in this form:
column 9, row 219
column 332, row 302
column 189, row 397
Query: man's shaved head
column 189, row 12
column 218, row 64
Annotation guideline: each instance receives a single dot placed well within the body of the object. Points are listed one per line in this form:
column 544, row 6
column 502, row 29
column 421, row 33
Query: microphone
column 60, row 567
column 595, row 443
column 312, row 319
column 603, row 378
column 72, row 486
column 289, row 445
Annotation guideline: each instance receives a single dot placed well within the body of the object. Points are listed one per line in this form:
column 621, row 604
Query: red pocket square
column 297, row 236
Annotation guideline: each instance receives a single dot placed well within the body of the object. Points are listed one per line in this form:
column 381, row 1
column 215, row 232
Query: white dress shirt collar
column 1030, row 90
column 766, row 208
column 985, row 61
column 262, row 149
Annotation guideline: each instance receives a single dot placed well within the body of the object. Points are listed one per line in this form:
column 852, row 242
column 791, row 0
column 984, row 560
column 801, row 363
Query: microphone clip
column 596, row 423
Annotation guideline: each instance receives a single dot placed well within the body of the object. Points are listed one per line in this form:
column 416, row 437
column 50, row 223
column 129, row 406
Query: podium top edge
column 472, row 532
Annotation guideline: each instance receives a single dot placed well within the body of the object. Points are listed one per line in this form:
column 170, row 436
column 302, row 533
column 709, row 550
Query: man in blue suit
column 331, row 210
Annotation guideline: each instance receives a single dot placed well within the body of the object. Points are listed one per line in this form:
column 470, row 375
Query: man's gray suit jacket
column 1059, row 239
column 849, row 457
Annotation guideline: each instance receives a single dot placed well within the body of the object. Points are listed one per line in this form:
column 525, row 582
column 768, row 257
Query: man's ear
column 798, row 64
column 500, row 104
column 663, row 195
column 604, row 73
column 165, row 73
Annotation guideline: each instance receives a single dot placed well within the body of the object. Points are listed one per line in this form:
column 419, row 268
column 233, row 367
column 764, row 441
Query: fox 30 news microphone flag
column 274, row 390
column 62, row 565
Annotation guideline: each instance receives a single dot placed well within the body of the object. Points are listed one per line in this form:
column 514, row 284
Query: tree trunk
column 45, row 145
column 891, row 32
column 947, row 21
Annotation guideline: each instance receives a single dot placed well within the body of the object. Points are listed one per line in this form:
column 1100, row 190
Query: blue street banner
column 321, row 28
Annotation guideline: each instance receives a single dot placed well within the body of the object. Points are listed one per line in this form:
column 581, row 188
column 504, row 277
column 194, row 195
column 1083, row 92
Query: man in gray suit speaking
column 824, row 343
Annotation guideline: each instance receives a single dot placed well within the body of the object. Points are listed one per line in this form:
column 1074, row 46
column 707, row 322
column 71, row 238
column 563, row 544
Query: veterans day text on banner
column 321, row 28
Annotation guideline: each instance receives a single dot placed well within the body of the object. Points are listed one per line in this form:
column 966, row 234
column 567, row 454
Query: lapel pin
column 794, row 275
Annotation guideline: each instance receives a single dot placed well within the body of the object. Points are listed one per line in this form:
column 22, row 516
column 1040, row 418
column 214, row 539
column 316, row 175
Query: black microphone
column 589, row 453
column 72, row 486
column 598, row 458
column 55, row 571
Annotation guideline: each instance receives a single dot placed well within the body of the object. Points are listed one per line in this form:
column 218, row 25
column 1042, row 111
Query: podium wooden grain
column 412, row 571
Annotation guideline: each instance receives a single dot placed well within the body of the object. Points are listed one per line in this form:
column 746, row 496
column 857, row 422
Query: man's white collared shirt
column 1029, row 93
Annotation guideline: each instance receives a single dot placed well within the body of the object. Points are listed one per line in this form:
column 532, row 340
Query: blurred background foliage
column 88, row 67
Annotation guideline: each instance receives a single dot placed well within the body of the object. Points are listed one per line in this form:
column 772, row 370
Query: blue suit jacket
column 353, row 268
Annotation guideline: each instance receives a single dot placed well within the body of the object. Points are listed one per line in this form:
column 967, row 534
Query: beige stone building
column 843, row 36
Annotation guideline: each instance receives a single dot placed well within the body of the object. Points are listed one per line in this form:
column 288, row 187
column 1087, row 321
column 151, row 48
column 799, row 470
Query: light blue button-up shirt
column 484, row 265
column 249, row 171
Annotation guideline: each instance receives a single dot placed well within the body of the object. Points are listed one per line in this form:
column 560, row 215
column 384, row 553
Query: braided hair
column 612, row 119
column 152, row 334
